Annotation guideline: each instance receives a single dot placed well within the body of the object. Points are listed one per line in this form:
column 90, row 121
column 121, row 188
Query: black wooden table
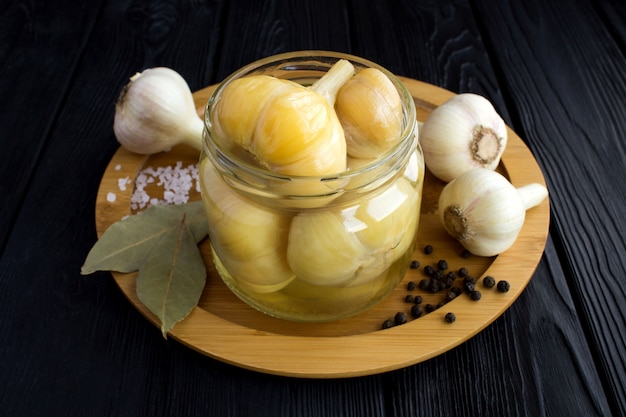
column 74, row 346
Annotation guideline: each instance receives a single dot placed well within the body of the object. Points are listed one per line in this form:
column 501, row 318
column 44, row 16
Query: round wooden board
column 225, row 328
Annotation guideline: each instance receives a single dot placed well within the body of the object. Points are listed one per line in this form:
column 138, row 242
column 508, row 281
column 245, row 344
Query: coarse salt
column 111, row 197
column 176, row 182
column 122, row 183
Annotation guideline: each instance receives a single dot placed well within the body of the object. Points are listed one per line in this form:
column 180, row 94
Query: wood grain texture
column 73, row 345
column 46, row 34
column 555, row 109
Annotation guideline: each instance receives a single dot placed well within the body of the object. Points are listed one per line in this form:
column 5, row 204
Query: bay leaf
column 172, row 276
column 125, row 245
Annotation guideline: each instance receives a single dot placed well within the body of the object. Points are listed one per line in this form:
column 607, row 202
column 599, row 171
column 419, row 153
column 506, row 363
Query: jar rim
column 320, row 59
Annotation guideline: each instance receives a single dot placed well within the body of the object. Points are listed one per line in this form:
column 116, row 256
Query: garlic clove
column 156, row 111
column 241, row 105
column 484, row 211
column 354, row 245
column 391, row 217
column 463, row 133
column 323, row 249
column 249, row 240
column 370, row 110
column 298, row 133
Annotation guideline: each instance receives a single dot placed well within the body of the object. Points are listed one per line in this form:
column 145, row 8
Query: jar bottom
column 301, row 301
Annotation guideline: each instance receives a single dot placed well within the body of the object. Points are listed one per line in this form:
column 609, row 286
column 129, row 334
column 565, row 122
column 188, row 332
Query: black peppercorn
column 489, row 281
column 429, row 270
column 387, row 324
column 475, row 295
column 430, row 308
column 417, row 311
column 469, row 278
column 418, row 299
column 442, row 265
column 424, row 284
column 438, row 275
column 450, row 318
column 414, row 264
column 469, row 287
column 456, row 290
column 450, row 296
column 400, row 317
column 462, row 272
column 503, row 286
column 409, row 298
column 466, row 254
column 411, row 286
column 428, row 249
column 432, row 286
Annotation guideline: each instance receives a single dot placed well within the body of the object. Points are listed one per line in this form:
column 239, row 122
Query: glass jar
column 311, row 248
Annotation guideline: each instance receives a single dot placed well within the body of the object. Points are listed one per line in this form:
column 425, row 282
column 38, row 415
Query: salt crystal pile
column 175, row 181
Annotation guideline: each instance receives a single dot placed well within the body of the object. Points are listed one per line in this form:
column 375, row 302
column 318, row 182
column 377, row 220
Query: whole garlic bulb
column 484, row 211
column 463, row 133
column 290, row 129
column 250, row 241
column 156, row 111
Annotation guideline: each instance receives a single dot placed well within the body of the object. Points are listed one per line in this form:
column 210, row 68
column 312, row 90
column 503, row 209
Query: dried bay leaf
column 172, row 277
column 124, row 246
column 162, row 245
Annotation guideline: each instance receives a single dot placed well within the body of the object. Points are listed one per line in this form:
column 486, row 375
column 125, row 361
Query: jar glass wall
column 311, row 248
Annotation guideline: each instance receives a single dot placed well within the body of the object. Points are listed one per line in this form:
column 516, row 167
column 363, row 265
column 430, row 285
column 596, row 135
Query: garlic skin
column 484, row 211
column 353, row 245
column 463, row 133
column 370, row 111
column 156, row 111
column 249, row 240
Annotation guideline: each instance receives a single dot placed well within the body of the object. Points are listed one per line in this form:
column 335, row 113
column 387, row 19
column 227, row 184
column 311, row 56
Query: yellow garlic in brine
column 354, row 245
column 249, row 240
column 370, row 110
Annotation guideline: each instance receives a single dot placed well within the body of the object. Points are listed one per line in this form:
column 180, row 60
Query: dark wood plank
column 254, row 30
column 40, row 48
column 565, row 76
column 495, row 364
column 73, row 345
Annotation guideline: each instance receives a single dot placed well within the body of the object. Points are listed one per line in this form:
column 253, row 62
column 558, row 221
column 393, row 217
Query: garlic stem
column 532, row 194
column 192, row 134
column 329, row 85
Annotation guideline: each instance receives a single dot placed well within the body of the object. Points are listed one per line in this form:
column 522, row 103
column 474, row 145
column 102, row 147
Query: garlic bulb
column 250, row 241
column 155, row 111
column 463, row 133
column 289, row 128
column 370, row 110
column 484, row 211
column 354, row 245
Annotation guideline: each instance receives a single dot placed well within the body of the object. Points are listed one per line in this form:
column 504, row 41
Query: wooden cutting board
column 225, row 328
